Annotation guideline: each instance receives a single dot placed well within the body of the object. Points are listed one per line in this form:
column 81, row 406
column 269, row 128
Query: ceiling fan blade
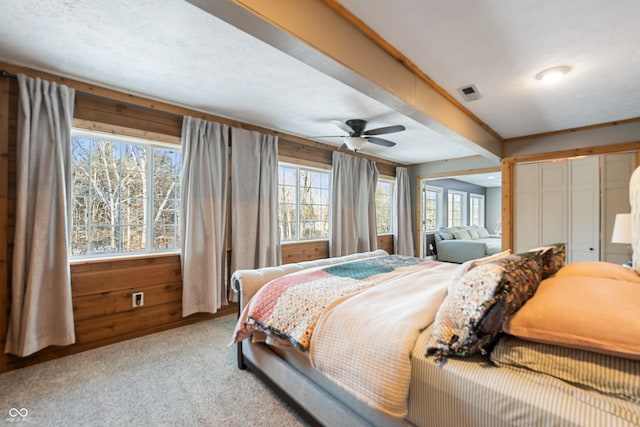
column 345, row 127
column 329, row 136
column 383, row 130
column 380, row 141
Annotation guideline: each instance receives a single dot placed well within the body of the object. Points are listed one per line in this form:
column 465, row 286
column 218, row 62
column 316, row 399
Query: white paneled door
column 584, row 194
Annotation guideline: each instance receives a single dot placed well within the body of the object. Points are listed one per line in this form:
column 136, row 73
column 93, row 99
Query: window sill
column 297, row 242
column 96, row 260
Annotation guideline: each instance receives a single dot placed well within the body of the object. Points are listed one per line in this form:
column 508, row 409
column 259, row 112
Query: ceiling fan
column 357, row 134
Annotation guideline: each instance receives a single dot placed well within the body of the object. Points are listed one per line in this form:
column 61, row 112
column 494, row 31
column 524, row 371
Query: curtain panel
column 353, row 206
column 402, row 233
column 203, row 256
column 255, row 238
column 41, row 305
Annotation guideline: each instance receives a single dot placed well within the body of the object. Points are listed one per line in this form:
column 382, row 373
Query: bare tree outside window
column 125, row 196
column 303, row 203
column 384, row 203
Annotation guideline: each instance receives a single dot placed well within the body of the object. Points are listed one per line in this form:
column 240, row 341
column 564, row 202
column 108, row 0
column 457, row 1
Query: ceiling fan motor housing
column 357, row 125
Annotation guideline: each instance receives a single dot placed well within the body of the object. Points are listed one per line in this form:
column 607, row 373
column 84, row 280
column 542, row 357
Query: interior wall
column 102, row 289
column 493, row 203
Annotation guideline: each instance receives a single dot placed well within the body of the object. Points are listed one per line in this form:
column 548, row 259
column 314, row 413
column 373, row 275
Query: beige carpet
column 185, row 376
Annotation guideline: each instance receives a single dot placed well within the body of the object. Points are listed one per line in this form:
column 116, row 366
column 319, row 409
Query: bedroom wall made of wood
column 102, row 289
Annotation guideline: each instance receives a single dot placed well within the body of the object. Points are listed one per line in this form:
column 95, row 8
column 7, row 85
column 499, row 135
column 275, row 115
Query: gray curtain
column 205, row 147
column 41, row 306
column 402, row 233
column 254, row 200
column 353, row 205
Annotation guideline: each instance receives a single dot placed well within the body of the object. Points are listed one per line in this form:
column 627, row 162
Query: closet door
column 527, row 207
column 584, row 204
column 553, row 202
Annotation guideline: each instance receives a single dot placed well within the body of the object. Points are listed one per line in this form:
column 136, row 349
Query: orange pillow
column 599, row 269
column 599, row 314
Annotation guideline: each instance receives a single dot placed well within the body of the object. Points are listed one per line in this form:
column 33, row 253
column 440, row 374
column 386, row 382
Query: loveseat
column 460, row 244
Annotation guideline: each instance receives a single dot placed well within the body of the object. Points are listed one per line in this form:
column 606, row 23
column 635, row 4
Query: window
column 384, row 204
column 476, row 209
column 431, row 207
column 126, row 196
column 303, row 203
column 456, row 208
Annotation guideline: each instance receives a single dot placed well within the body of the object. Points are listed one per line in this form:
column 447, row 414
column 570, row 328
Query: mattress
column 473, row 392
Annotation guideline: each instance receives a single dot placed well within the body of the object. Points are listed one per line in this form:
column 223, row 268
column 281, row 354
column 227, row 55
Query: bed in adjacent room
column 374, row 339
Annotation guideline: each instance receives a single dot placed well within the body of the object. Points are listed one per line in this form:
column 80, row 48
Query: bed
column 478, row 378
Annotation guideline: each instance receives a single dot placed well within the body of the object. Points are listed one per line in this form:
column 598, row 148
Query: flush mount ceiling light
column 355, row 143
column 552, row 74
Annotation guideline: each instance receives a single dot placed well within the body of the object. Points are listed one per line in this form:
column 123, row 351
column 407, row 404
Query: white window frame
column 299, row 167
column 439, row 206
column 149, row 203
column 463, row 207
column 392, row 184
column 481, row 206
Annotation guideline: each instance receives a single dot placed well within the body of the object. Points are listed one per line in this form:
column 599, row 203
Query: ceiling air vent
column 469, row 93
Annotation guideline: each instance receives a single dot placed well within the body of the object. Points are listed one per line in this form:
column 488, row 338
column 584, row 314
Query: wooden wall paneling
column 113, row 275
column 576, row 152
column 386, row 169
column 319, row 249
column 304, row 251
column 4, row 202
column 113, row 302
column 103, row 327
column 385, row 242
column 103, row 110
column 303, row 152
column 507, row 205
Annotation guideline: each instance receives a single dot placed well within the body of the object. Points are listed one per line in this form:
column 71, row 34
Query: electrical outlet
column 137, row 299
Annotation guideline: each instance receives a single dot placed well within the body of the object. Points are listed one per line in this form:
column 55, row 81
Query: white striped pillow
column 608, row 374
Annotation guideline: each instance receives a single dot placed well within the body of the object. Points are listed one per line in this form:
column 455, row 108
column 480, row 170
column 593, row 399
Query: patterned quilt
column 289, row 307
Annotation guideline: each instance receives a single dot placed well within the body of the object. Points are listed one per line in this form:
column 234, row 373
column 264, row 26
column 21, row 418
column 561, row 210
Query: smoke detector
column 469, row 92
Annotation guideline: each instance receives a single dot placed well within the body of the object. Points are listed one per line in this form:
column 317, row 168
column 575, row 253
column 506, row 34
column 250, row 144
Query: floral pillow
column 472, row 314
column 553, row 257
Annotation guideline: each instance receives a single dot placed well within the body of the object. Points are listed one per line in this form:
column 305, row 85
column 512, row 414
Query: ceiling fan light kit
column 354, row 143
column 358, row 136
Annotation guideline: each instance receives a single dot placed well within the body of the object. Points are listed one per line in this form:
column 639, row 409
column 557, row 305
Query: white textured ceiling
column 500, row 45
column 172, row 51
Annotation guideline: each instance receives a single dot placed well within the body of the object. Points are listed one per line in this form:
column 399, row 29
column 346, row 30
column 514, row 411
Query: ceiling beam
column 314, row 33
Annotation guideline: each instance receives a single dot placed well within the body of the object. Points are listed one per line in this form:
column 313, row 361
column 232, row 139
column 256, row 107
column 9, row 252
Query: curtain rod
column 6, row 74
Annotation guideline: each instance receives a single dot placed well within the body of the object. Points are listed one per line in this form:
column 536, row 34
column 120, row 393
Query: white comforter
column 363, row 342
